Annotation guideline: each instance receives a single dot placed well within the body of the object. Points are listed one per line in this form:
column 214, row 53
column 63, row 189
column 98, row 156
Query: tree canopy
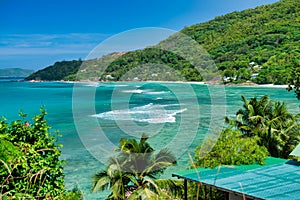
column 57, row 71
column 294, row 80
column 232, row 149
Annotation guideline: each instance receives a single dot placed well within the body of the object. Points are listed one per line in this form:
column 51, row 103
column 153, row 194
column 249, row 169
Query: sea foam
column 150, row 113
column 138, row 91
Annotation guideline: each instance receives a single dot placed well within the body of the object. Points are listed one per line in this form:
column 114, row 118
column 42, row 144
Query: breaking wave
column 150, row 113
column 138, row 91
column 150, row 92
column 157, row 93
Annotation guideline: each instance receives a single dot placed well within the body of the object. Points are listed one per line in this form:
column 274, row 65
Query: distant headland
column 15, row 72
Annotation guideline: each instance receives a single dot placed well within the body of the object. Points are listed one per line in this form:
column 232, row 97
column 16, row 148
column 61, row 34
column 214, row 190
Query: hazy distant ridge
column 15, row 72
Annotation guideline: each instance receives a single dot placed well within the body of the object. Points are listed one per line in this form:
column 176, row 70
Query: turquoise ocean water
column 92, row 117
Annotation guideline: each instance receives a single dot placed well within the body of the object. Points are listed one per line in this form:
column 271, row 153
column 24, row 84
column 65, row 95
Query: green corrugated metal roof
column 296, row 151
column 278, row 179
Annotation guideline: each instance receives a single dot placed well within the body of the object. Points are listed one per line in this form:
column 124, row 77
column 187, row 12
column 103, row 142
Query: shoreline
column 184, row 82
column 258, row 85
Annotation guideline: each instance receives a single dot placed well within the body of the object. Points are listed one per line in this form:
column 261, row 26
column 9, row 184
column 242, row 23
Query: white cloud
column 29, row 44
column 41, row 50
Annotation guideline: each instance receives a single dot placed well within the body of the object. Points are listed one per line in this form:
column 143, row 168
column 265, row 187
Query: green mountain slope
column 15, row 72
column 260, row 44
column 57, row 71
column 75, row 70
column 268, row 35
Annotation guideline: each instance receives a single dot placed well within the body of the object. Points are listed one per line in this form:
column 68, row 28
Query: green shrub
column 30, row 166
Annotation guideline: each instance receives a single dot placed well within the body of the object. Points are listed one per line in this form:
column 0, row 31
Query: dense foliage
column 57, row 71
column 157, row 56
column 294, row 80
column 277, row 129
column 93, row 69
column 133, row 173
column 268, row 36
column 232, row 149
column 30, row 167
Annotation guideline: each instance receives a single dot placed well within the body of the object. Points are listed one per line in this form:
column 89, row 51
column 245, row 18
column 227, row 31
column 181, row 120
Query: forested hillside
column 261, row 45
column 268, row 37
column 57, row 71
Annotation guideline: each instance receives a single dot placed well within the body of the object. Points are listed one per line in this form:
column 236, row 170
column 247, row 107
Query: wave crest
column 150, row 113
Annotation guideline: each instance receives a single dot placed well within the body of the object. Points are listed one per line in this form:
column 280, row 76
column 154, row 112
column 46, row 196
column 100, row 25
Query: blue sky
column 36, row 33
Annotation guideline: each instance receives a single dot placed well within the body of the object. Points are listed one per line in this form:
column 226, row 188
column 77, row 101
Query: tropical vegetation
column 57, row 71
column 264, row 41
column 261, row 128
column 294, row 81
column 30, row 164
column 134, row 172
column 277, row 129
column 231, row 149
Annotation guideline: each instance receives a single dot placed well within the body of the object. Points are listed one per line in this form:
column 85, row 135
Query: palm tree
column 293, row 137
column 282, row 131
column 112, row 178
column 271, row 121
column 133, row 173
column 250, row 118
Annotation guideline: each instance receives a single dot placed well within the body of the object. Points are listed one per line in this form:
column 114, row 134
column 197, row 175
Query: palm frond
column 164, row 155
column 101, row 181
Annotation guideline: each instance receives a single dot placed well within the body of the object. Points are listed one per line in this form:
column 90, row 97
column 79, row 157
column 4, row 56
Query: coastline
column 245, row 84
column 258, row 85
column 273, row 86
